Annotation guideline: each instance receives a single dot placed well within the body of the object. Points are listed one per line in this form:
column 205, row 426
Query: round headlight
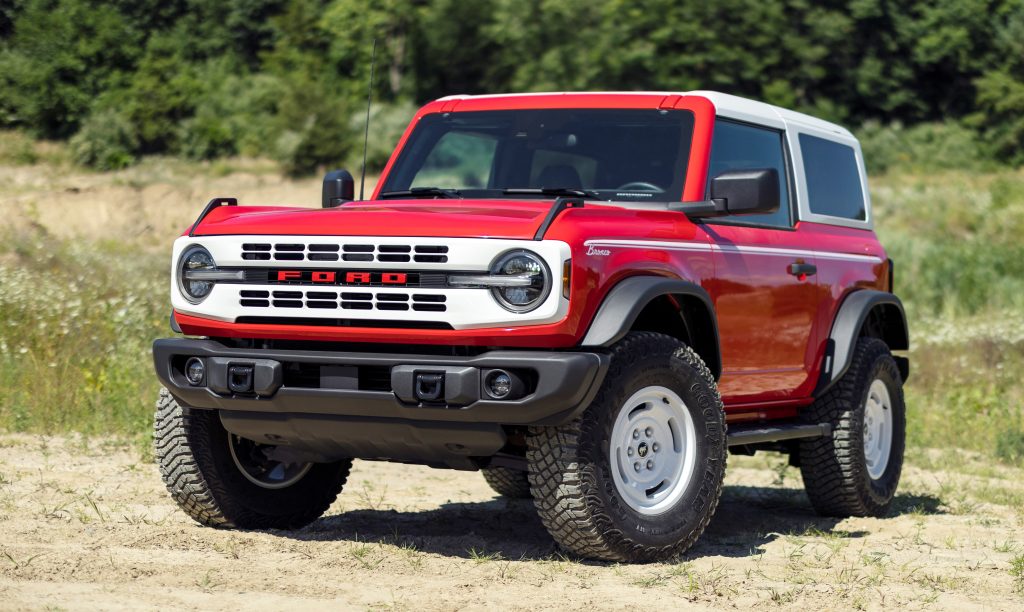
column 529, row 281
column 195, row 259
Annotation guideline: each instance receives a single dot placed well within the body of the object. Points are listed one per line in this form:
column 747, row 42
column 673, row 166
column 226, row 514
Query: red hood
column 441, row 218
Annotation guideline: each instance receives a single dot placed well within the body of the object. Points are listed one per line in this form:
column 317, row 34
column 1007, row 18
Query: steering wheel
column 639, row 186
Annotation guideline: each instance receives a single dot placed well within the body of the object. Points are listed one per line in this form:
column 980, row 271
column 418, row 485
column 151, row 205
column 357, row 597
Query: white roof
column 726, row 105
column 736, row 107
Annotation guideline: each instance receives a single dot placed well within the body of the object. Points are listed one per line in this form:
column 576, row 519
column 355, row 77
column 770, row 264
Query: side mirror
column 339, row 187
column 739, row 192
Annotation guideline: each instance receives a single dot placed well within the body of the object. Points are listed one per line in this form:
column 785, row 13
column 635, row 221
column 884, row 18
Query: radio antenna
column 366, row 133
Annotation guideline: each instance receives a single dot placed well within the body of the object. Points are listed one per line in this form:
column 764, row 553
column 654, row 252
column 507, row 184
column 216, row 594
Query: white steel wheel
column 653, row 450
column 878, row 429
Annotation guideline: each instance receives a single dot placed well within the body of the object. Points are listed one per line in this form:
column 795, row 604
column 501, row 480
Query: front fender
column 624, row 303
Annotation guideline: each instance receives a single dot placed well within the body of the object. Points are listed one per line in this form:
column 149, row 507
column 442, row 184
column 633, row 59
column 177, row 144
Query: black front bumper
column 355, row 404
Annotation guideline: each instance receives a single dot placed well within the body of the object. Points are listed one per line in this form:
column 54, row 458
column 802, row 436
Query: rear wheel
column 508, row 482
column 222, row 480
column 855, row 471
column 638, row 475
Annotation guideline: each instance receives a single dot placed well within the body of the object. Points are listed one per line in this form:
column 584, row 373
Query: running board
column 741, row 435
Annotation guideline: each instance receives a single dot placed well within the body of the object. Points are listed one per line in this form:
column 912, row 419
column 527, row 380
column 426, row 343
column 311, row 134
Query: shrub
column 921, row 148
column 107, row 141
column 1010, row 445
column 314, row 132
column 387, row 122
column 206, row 136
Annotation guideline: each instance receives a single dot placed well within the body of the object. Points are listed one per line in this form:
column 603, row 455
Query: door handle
column 802, row 270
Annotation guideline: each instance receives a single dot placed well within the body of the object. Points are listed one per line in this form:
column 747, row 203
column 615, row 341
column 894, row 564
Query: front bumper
column 364, row 405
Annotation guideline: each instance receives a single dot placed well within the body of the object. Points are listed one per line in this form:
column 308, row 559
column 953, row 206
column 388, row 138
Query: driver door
column 766, row 307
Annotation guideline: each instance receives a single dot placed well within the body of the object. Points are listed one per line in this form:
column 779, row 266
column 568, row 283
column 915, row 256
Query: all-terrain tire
column 835, row 468
column 193, row 453
column 571, row 466
column 508, row 482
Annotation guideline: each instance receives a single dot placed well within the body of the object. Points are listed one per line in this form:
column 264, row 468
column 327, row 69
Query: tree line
column 287, row 78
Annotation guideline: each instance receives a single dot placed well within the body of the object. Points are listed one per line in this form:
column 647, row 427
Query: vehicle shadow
column 747, row 518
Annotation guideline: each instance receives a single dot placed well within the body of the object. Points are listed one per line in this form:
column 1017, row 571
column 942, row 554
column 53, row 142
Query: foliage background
column 285, row 78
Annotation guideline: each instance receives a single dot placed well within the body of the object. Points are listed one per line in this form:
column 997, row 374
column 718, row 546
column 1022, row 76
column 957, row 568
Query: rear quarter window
column 833, row 178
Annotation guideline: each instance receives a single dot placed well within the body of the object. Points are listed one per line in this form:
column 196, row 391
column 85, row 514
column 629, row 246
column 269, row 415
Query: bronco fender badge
column 598, row 252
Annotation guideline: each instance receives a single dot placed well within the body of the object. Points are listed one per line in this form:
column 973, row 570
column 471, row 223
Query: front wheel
column 222, row 480
column 638, row 475
column 855, row 471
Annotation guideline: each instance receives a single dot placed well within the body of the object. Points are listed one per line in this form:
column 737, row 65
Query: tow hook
column 429, row 386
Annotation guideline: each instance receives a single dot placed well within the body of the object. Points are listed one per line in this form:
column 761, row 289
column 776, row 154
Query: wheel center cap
column 642, row 449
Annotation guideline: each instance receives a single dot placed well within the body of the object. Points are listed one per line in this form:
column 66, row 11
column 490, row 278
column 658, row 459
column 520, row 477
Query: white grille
column 430, row 302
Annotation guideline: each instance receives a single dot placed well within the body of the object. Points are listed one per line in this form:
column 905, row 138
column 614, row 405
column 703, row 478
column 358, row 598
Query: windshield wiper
column 423, row 192
column 553, row 191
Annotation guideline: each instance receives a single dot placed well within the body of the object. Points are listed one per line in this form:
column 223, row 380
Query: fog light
column 195, row 371
column 499, row 384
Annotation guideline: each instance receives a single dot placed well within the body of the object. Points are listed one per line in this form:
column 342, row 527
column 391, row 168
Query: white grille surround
column 464, row 308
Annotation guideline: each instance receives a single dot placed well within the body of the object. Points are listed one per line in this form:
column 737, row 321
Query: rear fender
column 864, row 313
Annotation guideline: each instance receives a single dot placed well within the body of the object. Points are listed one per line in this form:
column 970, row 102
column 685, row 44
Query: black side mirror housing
column 339, row 187
column 739, row 192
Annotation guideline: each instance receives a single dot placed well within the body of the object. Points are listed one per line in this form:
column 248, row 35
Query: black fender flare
column 624, row 303
column 846, row 329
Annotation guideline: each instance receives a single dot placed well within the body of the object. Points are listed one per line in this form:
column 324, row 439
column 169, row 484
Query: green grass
column 76, row 324
column 77, row 318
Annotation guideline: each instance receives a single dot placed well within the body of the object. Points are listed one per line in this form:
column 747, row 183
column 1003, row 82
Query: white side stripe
column 730, row 248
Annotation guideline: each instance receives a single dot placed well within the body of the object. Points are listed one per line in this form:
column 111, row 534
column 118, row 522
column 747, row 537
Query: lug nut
column 650, row 465
column 636, row 466
column 655, row 447
column 636, row 434
column 648, row 432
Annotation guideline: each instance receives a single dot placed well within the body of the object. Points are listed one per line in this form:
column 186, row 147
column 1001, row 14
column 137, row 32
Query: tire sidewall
column 880, row 492
column 690, row 511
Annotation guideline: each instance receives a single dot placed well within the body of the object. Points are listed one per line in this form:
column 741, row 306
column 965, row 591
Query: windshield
column 637, row 155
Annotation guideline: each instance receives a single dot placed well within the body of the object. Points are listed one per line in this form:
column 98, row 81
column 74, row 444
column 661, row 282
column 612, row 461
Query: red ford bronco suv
column 589, row 297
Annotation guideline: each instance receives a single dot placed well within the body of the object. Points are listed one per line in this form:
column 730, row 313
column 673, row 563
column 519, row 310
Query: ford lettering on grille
column 344, row 277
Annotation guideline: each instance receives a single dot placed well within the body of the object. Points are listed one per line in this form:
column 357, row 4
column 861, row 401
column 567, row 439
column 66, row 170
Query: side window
column 737, row 146
column 833, row 179
column 458, row 160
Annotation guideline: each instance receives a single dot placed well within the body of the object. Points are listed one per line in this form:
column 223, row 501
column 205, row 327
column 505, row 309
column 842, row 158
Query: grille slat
column 392, row 297
column 349, row 300
column 293, row 251
column 428, row 297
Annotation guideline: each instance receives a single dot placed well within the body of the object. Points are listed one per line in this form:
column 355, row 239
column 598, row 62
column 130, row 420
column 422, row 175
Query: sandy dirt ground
column 87, row 525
